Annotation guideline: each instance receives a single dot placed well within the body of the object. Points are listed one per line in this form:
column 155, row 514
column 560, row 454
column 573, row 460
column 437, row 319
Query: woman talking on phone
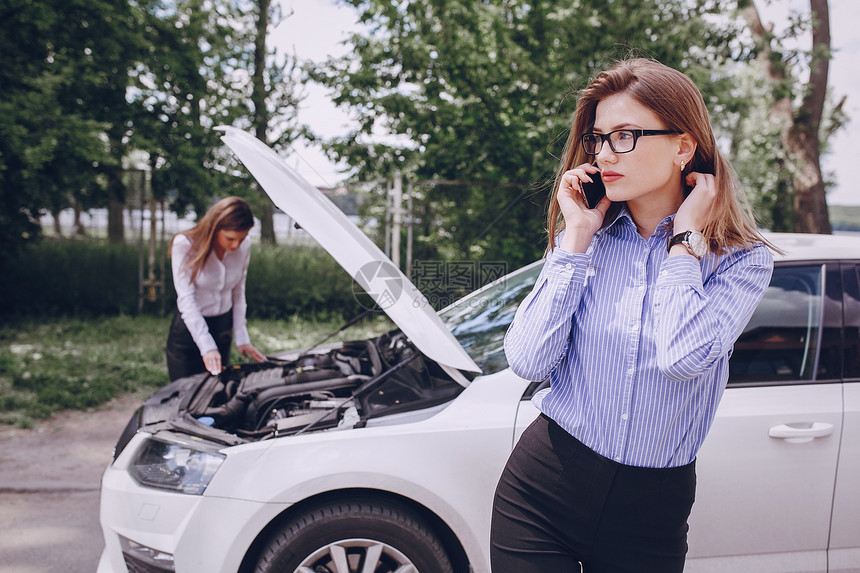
column 209, row 264
column 632, row 319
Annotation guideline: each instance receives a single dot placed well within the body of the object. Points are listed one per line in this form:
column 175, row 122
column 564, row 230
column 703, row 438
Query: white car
column 382, row 455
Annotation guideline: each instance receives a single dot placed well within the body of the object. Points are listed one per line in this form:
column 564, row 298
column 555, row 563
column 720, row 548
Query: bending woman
column 632, row 319
column 210, row 263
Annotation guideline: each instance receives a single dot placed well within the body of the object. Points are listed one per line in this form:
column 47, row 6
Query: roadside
column 49, row 489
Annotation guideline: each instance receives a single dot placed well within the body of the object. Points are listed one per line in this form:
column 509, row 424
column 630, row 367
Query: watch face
column 696, row 242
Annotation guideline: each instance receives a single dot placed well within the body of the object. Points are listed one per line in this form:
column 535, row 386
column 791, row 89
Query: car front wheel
column 355, row 537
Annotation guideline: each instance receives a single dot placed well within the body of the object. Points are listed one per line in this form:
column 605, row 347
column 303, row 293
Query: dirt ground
column 49, row 489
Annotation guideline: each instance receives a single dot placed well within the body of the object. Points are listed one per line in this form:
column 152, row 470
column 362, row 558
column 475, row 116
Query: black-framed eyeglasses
column 620, row 140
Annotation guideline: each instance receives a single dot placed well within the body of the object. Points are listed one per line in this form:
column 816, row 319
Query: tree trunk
column 78, row 228
column 810, row 201
column 115, row 209
column 800, row 130
column 261, row 114
column 115, row 188
column 58, row 230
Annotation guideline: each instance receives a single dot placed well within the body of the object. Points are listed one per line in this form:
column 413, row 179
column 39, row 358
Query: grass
column 48, row 365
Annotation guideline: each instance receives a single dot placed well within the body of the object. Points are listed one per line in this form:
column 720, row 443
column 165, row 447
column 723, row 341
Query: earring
column 682, row 166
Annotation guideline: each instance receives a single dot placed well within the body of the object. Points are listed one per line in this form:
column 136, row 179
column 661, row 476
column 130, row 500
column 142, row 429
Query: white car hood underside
column 351, row 248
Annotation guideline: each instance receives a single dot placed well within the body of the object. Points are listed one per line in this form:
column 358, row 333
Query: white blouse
column 218, row 286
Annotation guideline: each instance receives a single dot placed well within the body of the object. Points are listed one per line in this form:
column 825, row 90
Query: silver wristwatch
column 693, row 240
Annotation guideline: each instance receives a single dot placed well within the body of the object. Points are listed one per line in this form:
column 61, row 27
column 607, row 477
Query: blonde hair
column 230, row 214
column 676, row 101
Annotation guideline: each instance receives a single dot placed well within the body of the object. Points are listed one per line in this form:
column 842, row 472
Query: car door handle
column 802, row 432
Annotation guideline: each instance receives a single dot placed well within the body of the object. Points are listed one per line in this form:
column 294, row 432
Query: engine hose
column 231, row 410
column 253, row 412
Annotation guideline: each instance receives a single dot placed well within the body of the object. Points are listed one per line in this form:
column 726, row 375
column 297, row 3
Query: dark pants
column 559, row 504
column 183, row 355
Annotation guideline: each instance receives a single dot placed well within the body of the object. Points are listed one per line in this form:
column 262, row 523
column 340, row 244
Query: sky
column 317, row 28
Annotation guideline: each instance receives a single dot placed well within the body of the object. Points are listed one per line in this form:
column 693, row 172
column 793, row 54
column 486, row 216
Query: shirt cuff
column 242, row 337
column 565, row 266
column 680, row 270
column 207, row 345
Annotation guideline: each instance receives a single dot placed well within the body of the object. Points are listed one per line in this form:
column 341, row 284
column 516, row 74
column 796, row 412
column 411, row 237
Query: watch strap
column 685, row 239
column 679, row 239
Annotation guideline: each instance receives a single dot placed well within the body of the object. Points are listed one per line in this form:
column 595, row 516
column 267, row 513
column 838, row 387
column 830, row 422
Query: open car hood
column 351, row 248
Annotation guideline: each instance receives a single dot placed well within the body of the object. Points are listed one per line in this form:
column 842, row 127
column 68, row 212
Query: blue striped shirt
column 636, row 344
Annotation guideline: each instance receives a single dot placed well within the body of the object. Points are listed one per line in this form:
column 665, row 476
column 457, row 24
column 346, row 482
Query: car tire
column 341, row 537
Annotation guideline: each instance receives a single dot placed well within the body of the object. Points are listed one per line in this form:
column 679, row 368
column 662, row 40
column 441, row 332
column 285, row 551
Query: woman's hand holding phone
column 580, row 220
column 594, row 191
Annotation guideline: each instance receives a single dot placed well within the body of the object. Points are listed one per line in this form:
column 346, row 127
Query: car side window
column 779, row 343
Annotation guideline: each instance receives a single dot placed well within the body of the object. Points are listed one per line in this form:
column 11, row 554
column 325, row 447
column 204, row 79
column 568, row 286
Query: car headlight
column 175, row 466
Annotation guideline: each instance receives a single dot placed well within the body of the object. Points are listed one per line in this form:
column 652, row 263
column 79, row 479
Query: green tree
column 483, row 92
column 207, row 65
column 756, row 150
column 85, row 82
column 63, row 77
column 189, row 80
column 798, row 114
column 275, row 98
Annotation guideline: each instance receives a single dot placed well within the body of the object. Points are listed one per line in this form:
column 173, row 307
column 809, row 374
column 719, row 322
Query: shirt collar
column 623, row 216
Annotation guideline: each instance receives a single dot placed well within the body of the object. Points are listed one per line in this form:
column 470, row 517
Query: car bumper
column 151, row 530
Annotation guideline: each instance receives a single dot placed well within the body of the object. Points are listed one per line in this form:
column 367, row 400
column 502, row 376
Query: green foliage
column 778, row 118
column 195, row 76
column 86, row 81
column 70, row 278
column 756, row 150
column 473, row 92
column 298, row 280
column 182, row 89
column 483, row 92
column 63, row 76
column 92, row 278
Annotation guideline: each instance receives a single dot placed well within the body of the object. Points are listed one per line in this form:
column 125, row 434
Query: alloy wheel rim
column 357, row 556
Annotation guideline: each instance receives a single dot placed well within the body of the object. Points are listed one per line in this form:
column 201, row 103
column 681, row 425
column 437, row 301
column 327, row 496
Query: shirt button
column 624, row 417
column 568, row 266
column 630, row 371
column 635, row 327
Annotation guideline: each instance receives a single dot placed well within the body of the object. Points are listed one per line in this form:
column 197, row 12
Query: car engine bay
column 338, row 387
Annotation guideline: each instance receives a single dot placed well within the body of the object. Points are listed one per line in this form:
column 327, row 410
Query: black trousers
column 183, row 355
column 559, row 505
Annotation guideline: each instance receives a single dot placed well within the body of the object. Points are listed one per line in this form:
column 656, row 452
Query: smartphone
column 594, row 192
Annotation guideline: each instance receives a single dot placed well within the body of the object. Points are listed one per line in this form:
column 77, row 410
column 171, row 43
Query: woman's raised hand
column 694, row 211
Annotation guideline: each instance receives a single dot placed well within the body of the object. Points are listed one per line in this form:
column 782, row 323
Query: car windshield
column 479, row 320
